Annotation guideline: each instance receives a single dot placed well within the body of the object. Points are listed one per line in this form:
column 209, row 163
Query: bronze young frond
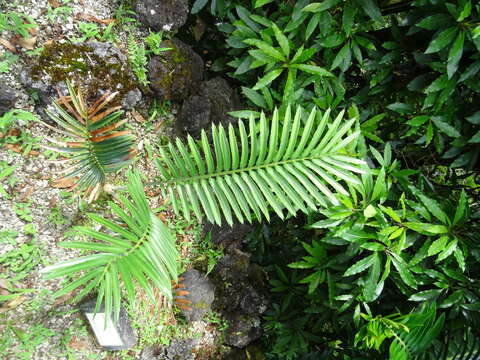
column 97, row 146
column 278, row 164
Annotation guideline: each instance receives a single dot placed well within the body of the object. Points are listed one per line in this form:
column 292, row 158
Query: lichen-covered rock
column 97, row 66
column 201, row 293
column 211, row 105
column 162, row 15
column 7, row 98
column 176, row 73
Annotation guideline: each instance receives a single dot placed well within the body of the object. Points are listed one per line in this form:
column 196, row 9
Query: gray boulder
column 176, row 73
column 201, row 293
column 162, row 15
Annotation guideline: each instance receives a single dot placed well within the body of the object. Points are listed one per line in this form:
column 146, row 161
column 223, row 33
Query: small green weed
column 153, row 328
column 124, row 15
column 28, row 341
column 216, row 319
column 23, row 211
column 93, row 31
column 29, row 229
column 26, row 140
column 158, row 108
column 56, row 216
column 62, row 12
column 8, row 237
column 6, row 61
column 139, row 54
column 154, row 40
column 207, row 252
column 6, row 172
column 68, row 197
column 20, row 262
column 16, row 23
column 9, row 118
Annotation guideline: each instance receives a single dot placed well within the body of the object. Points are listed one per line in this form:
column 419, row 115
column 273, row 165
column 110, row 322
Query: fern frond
column 278, row 164
column 138, row 250
column 98, row 147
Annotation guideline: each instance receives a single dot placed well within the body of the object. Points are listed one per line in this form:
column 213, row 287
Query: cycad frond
column 138, row 250
column 278, row 165
column 424, row 326
column 98, row 147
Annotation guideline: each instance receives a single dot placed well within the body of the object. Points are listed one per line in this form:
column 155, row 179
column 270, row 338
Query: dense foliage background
column 392, row 271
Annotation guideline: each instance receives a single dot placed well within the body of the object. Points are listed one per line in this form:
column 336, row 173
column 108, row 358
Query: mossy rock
column 175, row 74
column 98, row 67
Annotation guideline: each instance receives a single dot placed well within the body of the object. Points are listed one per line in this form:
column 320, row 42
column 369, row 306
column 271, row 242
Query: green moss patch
column 78, row 62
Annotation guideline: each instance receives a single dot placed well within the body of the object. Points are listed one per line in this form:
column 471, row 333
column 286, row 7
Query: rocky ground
column 37, row 212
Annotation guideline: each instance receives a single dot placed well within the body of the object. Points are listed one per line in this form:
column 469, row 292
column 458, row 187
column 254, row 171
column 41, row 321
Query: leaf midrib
column 242, row 170
column 139, row 243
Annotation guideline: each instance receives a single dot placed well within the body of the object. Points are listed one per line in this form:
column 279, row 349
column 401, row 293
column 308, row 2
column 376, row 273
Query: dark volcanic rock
column 211, row 105
column 201, row 293
column 7, row 98
column 243, row 281
column 97, row 66
column 242, row 330
column 176, row 73
column 251, row 352
column 165, row 15
column 238, row 293
column 229, row 237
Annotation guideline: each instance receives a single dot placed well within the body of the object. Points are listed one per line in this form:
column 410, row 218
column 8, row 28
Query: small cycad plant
column 98, row 147
column 281, row 165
